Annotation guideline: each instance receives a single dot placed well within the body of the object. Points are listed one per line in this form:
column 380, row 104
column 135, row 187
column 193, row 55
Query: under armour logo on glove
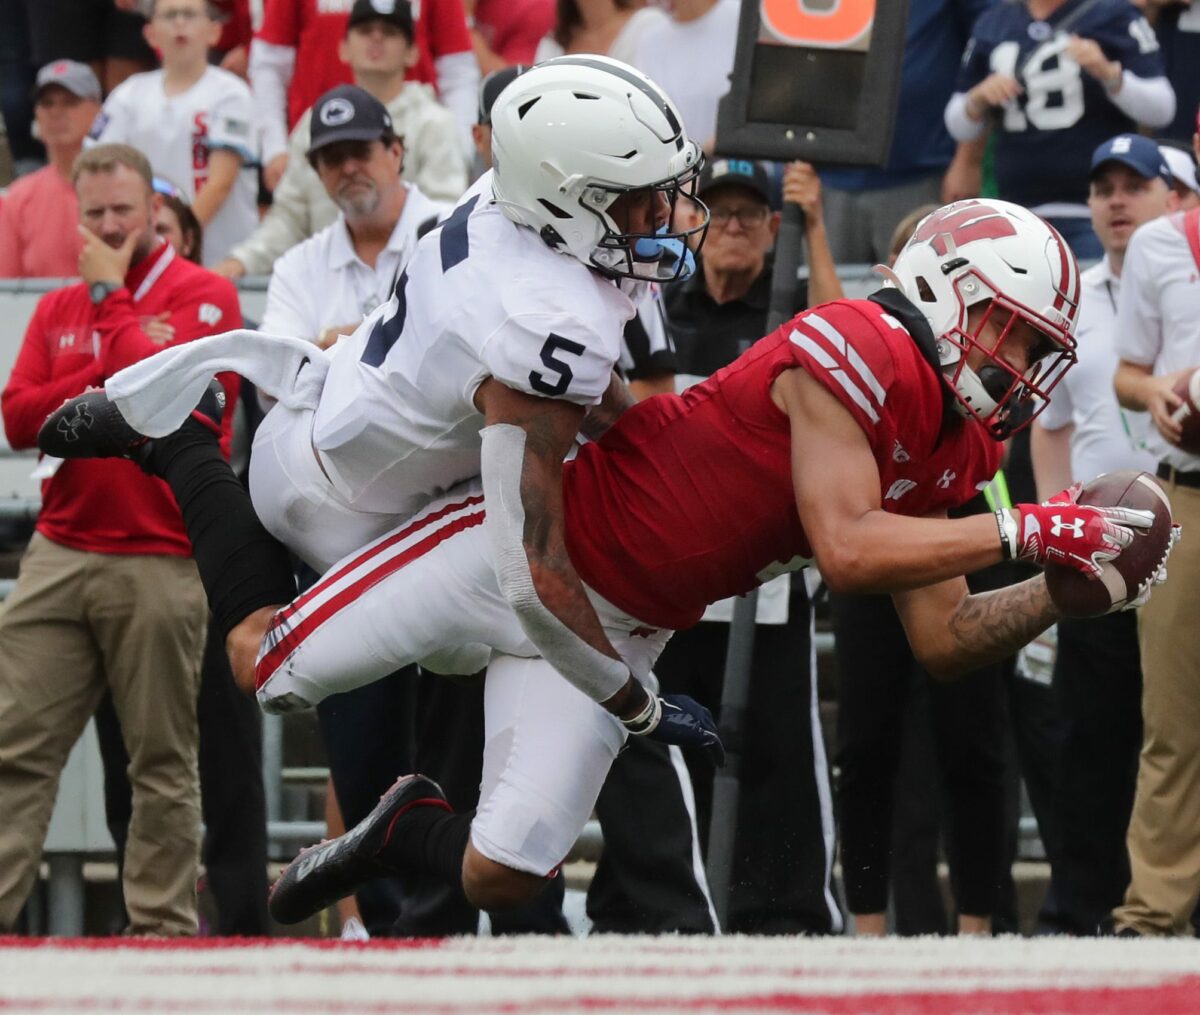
column 70, row 427
column 1062, row 531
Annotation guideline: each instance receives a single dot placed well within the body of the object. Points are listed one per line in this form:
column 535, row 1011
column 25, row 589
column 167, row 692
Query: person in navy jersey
column 1055, row 78
column 1177, row 25
column 863, row 206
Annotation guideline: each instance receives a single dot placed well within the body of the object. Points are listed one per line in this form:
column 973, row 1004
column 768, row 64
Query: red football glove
column 1063, row 531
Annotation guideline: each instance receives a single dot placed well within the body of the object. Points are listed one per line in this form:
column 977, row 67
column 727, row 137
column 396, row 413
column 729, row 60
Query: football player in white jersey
column 194, row 122
column 508, row 320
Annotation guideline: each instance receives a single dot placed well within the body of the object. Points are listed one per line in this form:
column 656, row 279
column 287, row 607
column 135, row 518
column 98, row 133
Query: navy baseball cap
column 491, row 87
column 735, row 172
column 347, row 113
column 394, row 12
column 1138, row 153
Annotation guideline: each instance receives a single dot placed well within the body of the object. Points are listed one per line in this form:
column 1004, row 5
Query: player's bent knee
column 493, row 886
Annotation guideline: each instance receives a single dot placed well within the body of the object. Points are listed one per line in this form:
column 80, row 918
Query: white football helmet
column 977, row 250
column 569, row 137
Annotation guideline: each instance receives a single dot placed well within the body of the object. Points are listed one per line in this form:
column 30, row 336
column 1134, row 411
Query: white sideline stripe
column 689, row 804
column 838, row 341
column 839, row 375
column 322, row 594
column 821, row 771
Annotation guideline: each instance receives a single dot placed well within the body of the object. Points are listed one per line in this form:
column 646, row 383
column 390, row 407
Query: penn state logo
column 337, row 111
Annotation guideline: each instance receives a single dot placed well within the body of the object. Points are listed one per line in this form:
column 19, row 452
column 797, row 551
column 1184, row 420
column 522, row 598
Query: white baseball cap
column 1182, row 166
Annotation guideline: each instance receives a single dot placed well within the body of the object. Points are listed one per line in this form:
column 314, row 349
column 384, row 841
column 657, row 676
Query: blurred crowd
column 316, row 142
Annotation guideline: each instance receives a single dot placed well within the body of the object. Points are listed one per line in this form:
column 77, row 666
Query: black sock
column 431, row 840
column 242, row 566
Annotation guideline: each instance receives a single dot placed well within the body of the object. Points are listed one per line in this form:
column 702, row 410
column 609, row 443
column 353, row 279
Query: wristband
column 1008, row 534
column 645, row 721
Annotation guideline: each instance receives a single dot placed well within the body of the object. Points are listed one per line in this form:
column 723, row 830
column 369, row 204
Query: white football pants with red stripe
column 424, row 590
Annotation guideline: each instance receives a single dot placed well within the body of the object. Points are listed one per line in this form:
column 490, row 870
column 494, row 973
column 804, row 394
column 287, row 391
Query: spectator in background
column 39, row 221
column 107, row 34
column 379, row 49
column 194, row 122
column 690, row 54
column 17, row 72
column 305, row 34
column 608, row 27
column 1097, row 673
column 863, row 206
column 232, row 799
column 1177, row 25
column 1053, row 85
column 1158, row 343
column 1183, row 175
column 507, row 32
column 231, row 51
column 780, row 882
column 108, row 594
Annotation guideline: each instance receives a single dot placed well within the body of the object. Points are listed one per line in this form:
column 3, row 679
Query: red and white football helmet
column 971, row 251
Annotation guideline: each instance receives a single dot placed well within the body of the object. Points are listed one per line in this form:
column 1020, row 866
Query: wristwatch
column 99, row 291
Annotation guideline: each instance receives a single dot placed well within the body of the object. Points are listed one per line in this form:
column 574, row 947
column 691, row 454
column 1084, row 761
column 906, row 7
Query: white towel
column 157, row 394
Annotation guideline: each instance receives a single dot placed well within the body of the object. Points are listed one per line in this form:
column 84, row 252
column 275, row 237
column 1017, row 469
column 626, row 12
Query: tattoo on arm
column 554, row 577
column 994, row 625
column 600, row 417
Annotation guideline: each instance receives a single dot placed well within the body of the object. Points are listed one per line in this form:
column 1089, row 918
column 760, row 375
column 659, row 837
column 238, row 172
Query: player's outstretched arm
column 524, row 443
column 953, row 632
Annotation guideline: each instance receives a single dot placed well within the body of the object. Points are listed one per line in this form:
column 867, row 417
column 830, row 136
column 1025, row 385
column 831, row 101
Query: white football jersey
column 177, row 133
column 482, row 297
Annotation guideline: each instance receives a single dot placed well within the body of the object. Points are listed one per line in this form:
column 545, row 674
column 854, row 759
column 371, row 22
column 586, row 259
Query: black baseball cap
column 395, row 12
column 491, row 87
column 347, row 113
column 735, row 172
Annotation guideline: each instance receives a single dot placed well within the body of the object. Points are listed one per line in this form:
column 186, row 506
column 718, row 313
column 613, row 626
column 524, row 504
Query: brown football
column 1188, row 414
column 1075, row 593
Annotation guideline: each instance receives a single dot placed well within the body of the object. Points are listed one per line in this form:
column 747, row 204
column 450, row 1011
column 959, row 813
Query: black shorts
column 85, row 30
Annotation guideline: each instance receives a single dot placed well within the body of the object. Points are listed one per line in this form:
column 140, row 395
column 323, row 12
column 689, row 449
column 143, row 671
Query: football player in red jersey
column 840, row 439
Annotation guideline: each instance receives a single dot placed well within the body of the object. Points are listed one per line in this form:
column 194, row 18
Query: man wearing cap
column 781, row 881
column 1158, row 342
column 1082, row 433
column 1183, row 175
column 379, row 48
column 39, row 220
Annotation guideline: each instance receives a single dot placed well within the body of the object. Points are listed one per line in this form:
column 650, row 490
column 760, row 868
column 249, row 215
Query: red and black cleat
column 91, row 426
column 322, row 874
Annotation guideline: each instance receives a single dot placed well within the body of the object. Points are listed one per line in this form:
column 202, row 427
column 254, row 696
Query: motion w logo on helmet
column 961, row 223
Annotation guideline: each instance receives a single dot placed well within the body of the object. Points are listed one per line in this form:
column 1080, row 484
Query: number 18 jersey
column 1046, row 140
column 481, row 297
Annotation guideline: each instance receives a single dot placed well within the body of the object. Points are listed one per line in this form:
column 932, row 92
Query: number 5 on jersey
column 557, row 378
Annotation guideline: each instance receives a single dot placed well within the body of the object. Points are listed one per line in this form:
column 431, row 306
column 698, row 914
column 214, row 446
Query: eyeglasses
column 184, row 14
column 748, row 218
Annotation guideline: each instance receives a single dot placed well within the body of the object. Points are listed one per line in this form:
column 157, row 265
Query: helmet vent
column 1012, row 267
column 584, row 95
column 525, row 107
column 924, row 291
column 553, row 209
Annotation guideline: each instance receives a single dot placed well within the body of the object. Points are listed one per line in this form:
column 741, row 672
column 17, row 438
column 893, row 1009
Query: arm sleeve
column 458, row 85
column 1138, row 334
column 231, row 125
column 1150, row 101
column 271, row 69
column 31, row 393
column 208, row 309
column 961, row 126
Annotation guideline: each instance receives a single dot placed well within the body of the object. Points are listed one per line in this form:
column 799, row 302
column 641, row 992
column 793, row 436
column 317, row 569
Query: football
column 1188, row 414
column 1075, row 593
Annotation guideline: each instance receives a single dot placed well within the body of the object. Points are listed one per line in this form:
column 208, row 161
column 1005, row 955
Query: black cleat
column 91, row 426
column 324, row 873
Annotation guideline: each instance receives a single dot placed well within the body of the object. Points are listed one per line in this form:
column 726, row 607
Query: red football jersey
column 315, row 27
column 688, row 498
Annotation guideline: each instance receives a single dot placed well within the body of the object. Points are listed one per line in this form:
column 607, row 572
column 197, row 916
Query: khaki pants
column 1164, row 829
column 76, row 623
